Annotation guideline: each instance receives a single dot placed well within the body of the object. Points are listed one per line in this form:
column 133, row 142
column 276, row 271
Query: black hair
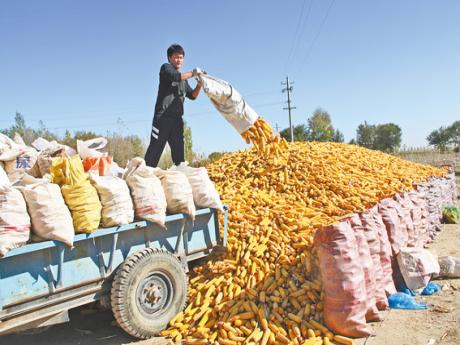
column 175, row 48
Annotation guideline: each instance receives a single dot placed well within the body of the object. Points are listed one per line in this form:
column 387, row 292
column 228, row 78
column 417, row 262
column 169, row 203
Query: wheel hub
column 154, row 293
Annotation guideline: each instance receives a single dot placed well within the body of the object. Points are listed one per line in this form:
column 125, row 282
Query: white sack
column 42, row 144
column 17, row 158
column 14, row 220
column 51, row 219
column 449, row 267
column 117, row 206
column 89, row 148
column 146, row 191
column 178, row 192
column 229, row 103
column 417, row 265
column 4, row 181
column 204, row 191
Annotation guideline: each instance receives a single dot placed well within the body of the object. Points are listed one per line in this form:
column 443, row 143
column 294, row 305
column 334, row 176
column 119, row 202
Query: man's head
column 176, row 55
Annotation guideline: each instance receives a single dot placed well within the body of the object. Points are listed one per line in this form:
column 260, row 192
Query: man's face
column 177, row 59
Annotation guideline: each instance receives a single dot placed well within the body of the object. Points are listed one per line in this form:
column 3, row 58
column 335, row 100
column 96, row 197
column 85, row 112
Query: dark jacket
column 171, row 92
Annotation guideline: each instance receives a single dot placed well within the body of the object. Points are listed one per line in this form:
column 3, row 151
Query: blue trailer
column 140, row 268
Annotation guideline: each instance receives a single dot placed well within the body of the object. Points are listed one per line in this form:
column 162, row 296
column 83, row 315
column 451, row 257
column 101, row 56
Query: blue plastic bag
column 409, row 292
column 431, row 288
column 401, row 300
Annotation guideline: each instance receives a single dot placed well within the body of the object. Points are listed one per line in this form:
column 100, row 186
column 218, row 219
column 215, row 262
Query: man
column 168, row 125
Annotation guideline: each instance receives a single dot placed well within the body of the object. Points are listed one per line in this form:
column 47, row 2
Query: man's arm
column 193, row 93
column 173, row 74
column 186, row 75
column 196, row 90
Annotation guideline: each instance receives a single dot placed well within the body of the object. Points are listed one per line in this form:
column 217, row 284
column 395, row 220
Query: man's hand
column 197, row 71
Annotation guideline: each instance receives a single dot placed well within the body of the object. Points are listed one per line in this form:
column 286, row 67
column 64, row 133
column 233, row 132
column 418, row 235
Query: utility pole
column 276, row 127
column 288, row 89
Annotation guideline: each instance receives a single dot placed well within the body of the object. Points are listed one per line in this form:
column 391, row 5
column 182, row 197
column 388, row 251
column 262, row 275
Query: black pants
column 166, row 129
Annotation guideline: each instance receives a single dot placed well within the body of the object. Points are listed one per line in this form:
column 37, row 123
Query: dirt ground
column 440, row 324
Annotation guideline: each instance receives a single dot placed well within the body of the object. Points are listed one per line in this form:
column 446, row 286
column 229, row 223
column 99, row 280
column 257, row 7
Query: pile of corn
column 266, row 289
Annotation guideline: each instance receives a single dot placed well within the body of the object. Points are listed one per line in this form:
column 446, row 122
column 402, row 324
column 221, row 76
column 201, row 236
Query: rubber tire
column 123, row 293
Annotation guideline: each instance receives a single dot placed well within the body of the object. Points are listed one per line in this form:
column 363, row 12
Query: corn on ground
column 266, row 289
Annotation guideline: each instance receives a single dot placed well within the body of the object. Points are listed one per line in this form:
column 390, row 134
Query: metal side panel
column 33, row 274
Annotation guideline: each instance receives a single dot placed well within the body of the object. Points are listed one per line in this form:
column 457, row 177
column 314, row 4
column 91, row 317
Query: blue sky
column 83, row 65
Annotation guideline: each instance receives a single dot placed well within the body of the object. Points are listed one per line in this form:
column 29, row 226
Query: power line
column 316, row 37
column 298, row 33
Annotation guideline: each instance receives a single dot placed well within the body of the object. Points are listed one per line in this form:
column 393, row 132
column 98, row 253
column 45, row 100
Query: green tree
column 27, row 133
column 213, row 156
column 138, row 145
column 365, row 135
column 454, row 133
column 45, row 133
column 338, row 137
column 188, row 144
column 123, row 148
column 20, row 127
column 443, row 137
column 319, row 126
column 439, row 138
column 387, row 137
column 300, row 133
column 68, row 139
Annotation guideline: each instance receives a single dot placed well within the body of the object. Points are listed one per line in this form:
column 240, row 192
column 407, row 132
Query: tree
column 385, row 137
column 338, row 137
column 319, row 126
column 123, row 148
column 365, row 135
column 454, row 134
column 213, row 156
column 439, row 138
column 45, row 133
column 300, row 133
column 188, row 144
column 443, row 137
column 28, row 134
column 68, row 140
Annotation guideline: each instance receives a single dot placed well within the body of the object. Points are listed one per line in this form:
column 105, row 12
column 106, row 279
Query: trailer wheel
column 149, row 289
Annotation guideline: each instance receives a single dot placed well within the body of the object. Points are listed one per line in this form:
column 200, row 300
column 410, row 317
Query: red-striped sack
column 344, row 285
column 14, row 220
column 367, row 264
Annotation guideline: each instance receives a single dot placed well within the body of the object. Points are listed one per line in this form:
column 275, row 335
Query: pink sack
column 420, row 216
column 406, row 207
column 372, row 219
column 397, row 233
column 367, row 264
column 343, row 280
column 374, row 250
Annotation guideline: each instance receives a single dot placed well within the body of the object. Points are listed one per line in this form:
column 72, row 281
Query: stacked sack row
column 67, row 195
column 358, row 256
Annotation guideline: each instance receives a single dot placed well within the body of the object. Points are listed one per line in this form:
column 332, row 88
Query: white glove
column 197, row 71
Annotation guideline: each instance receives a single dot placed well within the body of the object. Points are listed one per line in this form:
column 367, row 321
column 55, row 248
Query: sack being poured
column 243, row 118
